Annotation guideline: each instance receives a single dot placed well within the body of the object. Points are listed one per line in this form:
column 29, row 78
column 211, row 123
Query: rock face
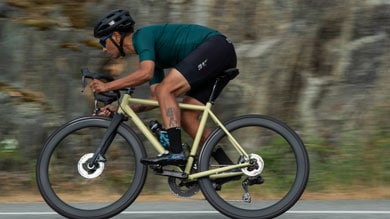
column 321, row 66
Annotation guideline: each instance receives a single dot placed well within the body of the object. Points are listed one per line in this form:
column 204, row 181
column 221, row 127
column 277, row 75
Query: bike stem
column 107, row 138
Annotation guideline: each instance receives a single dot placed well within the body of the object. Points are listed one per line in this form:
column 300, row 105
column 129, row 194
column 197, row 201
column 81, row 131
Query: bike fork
column 107, row 140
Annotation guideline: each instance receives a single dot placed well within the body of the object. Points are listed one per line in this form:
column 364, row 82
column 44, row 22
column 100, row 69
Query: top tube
column 155, row 103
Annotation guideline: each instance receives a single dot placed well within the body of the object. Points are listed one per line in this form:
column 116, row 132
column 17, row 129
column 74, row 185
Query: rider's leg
column 171, row 87
column 190, row 123
column 190, row 120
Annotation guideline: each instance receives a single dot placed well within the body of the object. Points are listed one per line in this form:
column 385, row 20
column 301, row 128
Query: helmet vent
column 117, row 20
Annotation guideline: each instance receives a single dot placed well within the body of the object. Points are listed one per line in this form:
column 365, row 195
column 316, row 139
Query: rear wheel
column 77, row 190
column 272, row 185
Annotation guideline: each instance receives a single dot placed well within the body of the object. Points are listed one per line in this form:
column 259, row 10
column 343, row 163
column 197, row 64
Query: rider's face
column 109, row 47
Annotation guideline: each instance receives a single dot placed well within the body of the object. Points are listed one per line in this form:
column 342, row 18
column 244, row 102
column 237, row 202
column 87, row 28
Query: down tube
column 140, row 125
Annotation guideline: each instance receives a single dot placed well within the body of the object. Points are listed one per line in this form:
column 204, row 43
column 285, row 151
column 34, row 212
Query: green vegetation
column 361, row 159
column 10, row 157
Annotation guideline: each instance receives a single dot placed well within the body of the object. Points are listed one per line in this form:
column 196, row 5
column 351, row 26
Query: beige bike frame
column 206, row 109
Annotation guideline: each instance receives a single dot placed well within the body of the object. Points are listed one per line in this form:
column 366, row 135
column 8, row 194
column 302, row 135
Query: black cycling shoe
column 166, row 159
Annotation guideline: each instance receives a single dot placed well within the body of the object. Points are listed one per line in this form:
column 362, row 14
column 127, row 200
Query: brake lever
column 97, row 108
column 83, row 83
column 85, row 73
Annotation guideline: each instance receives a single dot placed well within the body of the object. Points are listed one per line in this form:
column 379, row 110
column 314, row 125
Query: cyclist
column 192, row 55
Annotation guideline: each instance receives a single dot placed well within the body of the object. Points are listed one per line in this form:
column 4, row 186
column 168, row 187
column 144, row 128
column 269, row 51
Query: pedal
column 156, row 168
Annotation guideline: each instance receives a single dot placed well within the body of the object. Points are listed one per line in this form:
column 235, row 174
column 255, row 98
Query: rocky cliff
column 321, row 66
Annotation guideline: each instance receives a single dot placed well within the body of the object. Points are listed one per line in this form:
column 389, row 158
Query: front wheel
column 268, row 188
column 76, row 190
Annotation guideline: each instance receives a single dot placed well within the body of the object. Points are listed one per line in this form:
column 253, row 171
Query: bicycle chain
column 191, row 197
column 174, row 186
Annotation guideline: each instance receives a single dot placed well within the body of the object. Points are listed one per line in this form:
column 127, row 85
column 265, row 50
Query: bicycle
column 98, row 158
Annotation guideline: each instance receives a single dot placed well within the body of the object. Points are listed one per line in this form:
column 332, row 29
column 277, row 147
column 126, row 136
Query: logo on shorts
column 228, row 40
column 202, row 65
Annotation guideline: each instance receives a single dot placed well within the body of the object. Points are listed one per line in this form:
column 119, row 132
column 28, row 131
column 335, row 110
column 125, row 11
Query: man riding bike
column 193, row 57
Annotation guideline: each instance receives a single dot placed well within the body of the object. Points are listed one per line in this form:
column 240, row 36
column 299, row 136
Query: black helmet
column 117, row 20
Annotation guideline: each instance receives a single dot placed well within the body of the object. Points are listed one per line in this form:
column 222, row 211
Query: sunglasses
column 103, row 40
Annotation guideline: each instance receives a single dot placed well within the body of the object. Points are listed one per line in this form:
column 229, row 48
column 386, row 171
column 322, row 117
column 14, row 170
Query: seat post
column 226, row 76
column 212, row 95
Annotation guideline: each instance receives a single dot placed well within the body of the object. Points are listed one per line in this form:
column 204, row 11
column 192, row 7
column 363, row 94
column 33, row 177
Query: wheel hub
column 256, row 168
column 87, row 170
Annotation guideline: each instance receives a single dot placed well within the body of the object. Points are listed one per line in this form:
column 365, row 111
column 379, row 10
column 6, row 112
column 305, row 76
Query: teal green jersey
column 168, row 44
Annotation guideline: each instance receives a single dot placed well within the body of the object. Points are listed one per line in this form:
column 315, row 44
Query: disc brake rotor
column 182, row 189
column 87, row 171
column 250, row 171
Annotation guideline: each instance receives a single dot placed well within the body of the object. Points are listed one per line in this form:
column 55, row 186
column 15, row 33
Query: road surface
column 377, row 209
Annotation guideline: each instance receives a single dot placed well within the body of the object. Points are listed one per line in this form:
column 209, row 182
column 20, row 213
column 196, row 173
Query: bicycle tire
column 112, row 191
column 285, row 174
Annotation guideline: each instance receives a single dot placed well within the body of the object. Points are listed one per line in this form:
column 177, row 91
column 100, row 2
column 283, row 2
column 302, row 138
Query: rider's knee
column 162, row 91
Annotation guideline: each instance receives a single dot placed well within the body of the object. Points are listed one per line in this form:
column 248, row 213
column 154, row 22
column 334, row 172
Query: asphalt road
column 377, row 209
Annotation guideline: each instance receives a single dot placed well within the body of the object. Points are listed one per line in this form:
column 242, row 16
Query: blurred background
column 323, row 67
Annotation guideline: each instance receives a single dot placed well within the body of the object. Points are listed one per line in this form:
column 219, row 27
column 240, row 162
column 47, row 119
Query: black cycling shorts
column 203, row 65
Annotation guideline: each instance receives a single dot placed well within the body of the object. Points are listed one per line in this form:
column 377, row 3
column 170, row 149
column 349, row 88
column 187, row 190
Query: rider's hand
column 98, row 86
column 107, row 110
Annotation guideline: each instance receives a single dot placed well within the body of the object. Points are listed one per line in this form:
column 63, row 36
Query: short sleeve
column 144, row 45
column 157, row 77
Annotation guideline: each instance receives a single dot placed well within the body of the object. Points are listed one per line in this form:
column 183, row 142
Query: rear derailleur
column 248, row 182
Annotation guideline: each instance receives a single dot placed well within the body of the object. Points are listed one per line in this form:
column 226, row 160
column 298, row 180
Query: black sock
column 174, row 135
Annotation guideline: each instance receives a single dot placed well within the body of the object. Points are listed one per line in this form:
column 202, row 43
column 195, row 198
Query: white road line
column 338, row 212
column 207, row 212
column 27, row 213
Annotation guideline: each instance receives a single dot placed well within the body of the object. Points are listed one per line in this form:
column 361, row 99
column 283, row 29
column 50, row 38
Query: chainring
column 181, row 188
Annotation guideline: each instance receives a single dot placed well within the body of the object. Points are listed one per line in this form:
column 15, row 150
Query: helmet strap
column 120, row 46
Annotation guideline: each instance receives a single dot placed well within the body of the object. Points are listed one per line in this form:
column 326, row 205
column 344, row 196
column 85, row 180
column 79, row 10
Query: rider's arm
column 138, row 108
column 142, row 75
